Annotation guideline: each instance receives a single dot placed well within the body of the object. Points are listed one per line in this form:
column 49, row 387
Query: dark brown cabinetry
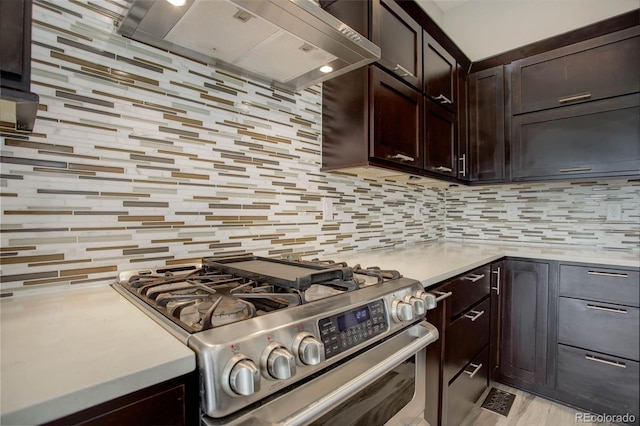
column 15, row 65
column 457, row 364
column 486, row 161
column 440, row 82
column 440, row 140
column 597, row 350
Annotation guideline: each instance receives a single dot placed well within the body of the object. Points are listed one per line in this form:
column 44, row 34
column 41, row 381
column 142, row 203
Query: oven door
column 385, row 384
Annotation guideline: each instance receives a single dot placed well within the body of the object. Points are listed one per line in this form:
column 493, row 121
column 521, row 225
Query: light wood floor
column 527, row 410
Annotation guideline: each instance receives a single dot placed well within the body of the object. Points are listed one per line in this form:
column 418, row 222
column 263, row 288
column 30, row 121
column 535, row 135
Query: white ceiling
column 484, row 28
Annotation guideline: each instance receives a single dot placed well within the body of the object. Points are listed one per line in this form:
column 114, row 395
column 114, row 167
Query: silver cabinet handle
column 444, row 169
column 606, row 309
column 608, row 274
column 477, row 315
column 401, row 157
column 575, row 169
column 442, row 99
column 463, row 169
column 476, row 368
column 605, row 361
column 497, row 287
column 473, row 277
column 574, row 98
column 442, row 295
column 405, row 71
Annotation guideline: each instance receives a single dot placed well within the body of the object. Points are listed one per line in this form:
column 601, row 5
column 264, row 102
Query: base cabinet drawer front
column 466, row 336
column 599, row 383
column 468, row 289
column 601, row 284
column 602, row 327
column 465, row 390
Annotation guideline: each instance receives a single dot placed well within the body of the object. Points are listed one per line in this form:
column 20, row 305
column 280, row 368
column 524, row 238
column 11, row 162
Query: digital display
column 352, row 318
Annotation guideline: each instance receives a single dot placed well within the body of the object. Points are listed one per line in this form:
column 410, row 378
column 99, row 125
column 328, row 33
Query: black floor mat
column 499, row 401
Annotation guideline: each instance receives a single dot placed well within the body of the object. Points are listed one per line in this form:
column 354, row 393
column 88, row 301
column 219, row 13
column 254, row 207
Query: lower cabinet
column 467, row 387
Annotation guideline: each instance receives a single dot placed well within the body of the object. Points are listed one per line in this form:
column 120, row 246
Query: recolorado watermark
column 604, row 418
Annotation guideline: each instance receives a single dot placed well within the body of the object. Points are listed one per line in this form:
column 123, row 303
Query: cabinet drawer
column 467, row 290
column 602, row 327
column 599, row 383
column 601, row 284
column 595, row 69
column 590, row 139
column 466, row 336
column 465, row 390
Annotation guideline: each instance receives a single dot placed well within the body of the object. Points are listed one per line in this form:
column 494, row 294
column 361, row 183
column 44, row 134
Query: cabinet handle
column 477, row 315
column 605, row 361
column 608, row 274
column 574, row 98
column 463, row 160
column 497, row 287
column 575, row 169
column 404, row 70
column 401, row 157
column 604, row 308
column 473, row 277
column 442, row 295
column 442, row 99
column 444, row 169
column 476, row 368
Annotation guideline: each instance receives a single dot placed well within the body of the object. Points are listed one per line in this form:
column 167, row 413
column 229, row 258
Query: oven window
column 378, row 402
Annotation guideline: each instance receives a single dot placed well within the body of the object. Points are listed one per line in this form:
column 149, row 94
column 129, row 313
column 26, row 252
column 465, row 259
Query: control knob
column 308, row 349
column 277, row 362
column 242, row 376
column 401, row 311
column 418, row 305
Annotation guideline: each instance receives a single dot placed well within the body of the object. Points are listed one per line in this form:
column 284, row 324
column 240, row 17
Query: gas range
column 260, row 326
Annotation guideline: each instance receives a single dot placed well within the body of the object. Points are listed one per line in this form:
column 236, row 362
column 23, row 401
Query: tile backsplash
column 141, row 158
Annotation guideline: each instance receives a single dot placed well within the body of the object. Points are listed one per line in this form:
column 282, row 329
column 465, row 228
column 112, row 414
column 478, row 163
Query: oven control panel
column 348, row 329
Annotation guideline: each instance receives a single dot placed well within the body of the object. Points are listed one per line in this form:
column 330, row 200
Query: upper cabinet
column 577, row 110
column 440, row 83
column 18, row 106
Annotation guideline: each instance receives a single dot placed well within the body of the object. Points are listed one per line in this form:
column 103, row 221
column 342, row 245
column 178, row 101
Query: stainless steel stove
column 265, row 330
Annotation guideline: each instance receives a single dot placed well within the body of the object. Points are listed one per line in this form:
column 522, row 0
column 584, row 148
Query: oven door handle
column 421, row 335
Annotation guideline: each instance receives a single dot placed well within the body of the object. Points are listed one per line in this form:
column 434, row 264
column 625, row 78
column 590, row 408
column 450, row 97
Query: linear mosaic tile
column 140, row 158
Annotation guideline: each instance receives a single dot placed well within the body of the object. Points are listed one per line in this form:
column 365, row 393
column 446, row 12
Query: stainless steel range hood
column 282, row 42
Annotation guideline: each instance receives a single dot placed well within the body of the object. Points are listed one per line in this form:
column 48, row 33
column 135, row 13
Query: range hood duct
column 281, row 42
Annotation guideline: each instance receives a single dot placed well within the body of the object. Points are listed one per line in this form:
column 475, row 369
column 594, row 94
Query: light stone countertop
column 66, row 351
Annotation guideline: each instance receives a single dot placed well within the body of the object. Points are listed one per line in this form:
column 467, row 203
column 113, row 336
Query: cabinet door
column 594, row 69
column 400, row 41
column 440, row 140
column 463, row 125
column 486, row 126
column 497, row 279
column 397, row 120
column 524, row 320
column 599, row 138
column 15, row 44
column 439, row 74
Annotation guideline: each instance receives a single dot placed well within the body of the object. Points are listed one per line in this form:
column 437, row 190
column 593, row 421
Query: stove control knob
column 242, row 376
column 309, row 350
column 418, row 305
column 429, row 299
column 277, row 362
column 401, row 311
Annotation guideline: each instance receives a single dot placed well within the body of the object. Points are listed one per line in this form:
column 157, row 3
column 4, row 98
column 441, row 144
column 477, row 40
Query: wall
column 140, row 158
column 566, row 213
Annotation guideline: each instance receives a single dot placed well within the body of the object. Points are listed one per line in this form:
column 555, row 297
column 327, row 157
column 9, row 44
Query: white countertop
column 65, row 351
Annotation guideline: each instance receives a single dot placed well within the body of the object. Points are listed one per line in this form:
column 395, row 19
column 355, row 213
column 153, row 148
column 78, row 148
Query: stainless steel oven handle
column 422, row 335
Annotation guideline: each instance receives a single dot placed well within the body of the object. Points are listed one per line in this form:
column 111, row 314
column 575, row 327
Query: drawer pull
column 608, row 274
column 497, row 287
column 605, row 361
column 575, row 169
column 442, row 295
column 476, row 368
column 444, row 169
column 604, row 308
column 401, row 157
column 463, row 169
column 574, row 98
column 405, row 72
column 477, row 315
column 473, row 277
column 442, row 99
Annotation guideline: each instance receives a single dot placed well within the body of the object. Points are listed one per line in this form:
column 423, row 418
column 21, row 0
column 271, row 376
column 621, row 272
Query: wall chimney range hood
column 281, row 42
